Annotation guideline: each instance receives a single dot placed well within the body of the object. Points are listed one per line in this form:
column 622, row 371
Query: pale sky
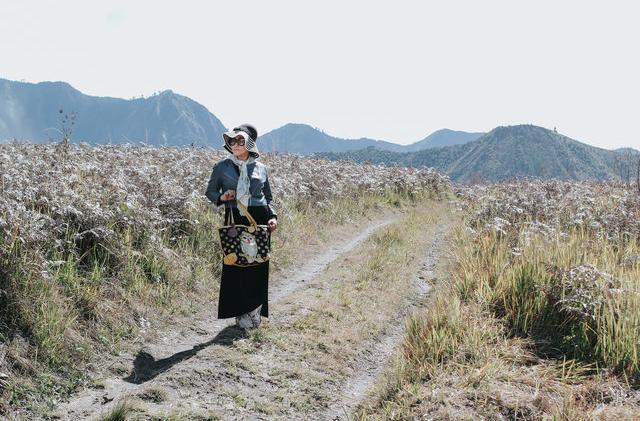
column 390, row 70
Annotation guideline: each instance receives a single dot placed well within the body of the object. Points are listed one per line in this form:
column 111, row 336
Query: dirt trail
column 177, row 347
column 374, row 361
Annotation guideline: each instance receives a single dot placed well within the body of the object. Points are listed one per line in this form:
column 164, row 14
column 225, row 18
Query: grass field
column 538, row 315
column 97, row 243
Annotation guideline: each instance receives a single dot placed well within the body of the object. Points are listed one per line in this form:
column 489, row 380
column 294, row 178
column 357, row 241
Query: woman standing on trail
column 241, row 178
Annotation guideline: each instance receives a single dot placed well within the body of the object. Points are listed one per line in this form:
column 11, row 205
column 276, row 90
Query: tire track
column 92, row 402
column 378, row 352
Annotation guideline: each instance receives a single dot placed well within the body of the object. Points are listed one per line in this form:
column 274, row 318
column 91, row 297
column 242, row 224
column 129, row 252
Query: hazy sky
column 392, row 70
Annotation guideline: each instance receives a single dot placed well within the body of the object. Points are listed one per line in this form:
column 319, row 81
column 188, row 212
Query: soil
column 203, row 368
column 373, row 363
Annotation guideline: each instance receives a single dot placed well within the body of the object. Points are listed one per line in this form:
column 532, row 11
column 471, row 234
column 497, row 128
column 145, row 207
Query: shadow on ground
column 145, row 367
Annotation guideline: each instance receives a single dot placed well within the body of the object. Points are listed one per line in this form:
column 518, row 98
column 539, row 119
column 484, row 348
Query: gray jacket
column 225, row 177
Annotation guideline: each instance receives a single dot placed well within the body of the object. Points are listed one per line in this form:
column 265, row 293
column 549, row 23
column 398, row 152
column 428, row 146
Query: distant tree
column 67, row 121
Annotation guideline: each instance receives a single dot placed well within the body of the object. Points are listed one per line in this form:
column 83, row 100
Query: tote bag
column 244, row 245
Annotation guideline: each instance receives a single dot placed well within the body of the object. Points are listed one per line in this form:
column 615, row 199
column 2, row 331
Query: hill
column 628, row 151
column 31, row 111
column 303, row 139
column 505, row 153
column 442, row 138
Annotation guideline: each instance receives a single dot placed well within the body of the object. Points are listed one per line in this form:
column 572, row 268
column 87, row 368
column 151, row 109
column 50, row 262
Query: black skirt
column 242, row 289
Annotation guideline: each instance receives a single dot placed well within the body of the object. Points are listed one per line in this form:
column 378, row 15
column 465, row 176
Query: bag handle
column 247, row 214
column 231, row 219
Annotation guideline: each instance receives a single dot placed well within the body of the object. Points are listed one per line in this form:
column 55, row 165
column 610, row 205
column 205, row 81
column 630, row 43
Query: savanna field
column 533, row 310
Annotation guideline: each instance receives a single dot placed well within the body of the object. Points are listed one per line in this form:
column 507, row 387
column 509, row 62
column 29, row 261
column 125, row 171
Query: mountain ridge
column 444, row 137
column 31, row 111
column 300, row 138
column 35, row 111
column 503, row 153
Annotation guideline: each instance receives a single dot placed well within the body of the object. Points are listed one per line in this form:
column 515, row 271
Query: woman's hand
column 272, row 224
column 228, row 195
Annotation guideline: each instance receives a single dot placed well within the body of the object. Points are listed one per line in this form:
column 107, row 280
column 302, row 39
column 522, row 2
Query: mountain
column 505, row 153
column 628, row 151
column 31, row 111
column 304, row 140
column 531, row 151
column 443, row 137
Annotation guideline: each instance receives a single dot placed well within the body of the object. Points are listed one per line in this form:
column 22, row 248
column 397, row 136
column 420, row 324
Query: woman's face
column 238, row 148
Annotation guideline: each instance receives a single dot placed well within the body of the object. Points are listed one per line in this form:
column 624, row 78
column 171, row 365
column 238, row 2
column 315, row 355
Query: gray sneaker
column 244, row 321
column 256, row 316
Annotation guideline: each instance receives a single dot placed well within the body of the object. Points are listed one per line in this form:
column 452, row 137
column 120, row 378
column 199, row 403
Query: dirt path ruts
column 176, row 346
column 374, row 361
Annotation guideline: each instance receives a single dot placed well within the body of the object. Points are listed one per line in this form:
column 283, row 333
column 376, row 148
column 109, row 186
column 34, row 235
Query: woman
column 241, row 178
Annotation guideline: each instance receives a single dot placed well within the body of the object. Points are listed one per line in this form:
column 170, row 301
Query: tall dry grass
column 563, row 268
column 538, row 316
column 97, row 242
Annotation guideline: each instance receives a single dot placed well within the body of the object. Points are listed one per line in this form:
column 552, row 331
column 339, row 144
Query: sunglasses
column 236, row 141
